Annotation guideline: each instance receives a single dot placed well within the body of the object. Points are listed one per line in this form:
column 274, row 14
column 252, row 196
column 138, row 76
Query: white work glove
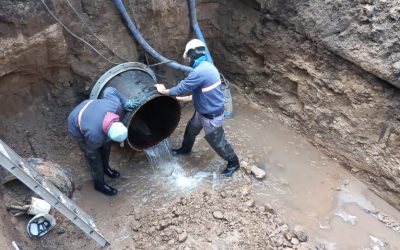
column 161, row 89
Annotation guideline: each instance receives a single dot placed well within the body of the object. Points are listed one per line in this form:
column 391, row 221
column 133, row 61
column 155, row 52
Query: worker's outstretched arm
column 186, row 86
column 113, row 94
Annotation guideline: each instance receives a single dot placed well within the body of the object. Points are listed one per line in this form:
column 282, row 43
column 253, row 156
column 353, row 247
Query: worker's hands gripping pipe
column 131, row 104
column 164, row 91
column 161, row 89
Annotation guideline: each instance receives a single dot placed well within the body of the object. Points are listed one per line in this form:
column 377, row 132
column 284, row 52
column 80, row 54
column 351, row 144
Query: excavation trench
column 311, row 112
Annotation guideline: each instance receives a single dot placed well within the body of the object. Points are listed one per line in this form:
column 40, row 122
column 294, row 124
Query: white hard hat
column 40, row 225
column 117, row 132
column 192, row 44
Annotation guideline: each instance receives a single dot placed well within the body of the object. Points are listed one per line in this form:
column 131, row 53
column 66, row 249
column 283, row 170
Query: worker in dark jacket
column 94, row 123
column 205, row 85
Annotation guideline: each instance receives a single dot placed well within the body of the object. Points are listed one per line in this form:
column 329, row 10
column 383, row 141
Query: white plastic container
column 39, row 206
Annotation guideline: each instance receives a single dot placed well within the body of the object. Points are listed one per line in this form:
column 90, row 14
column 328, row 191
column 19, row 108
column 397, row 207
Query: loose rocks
column 218, row 215
column 300, row 234
column 206, row 220
column 182, row 237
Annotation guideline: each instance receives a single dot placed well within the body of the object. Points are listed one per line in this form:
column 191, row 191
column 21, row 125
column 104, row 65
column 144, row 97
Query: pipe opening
column 153, row 122
column 156, row 117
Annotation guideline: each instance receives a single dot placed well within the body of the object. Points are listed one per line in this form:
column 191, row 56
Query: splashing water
column 165, row 164
column 160, row 158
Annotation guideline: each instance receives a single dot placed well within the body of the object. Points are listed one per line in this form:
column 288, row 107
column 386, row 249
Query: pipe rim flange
column 116, row 70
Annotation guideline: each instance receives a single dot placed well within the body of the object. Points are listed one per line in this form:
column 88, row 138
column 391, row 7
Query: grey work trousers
column 209, row 125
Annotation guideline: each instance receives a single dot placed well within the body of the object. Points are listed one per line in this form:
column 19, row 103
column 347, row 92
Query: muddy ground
column 218, row 216
column 324, row 68
column 206, row 219
column 305, row 193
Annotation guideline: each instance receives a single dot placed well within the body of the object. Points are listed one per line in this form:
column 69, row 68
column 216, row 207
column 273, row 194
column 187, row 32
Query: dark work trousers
column 214, row 134
column 97, row 159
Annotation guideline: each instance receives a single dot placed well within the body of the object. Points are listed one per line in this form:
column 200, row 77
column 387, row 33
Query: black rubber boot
column 94, row 159
column 105, row 156
column 111, row 173
column 218, row 142
column 189, row 138
column 231, row 167
column 105, row 189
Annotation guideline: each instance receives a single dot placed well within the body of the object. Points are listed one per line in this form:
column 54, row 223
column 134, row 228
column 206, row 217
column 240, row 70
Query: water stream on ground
column 167, row 166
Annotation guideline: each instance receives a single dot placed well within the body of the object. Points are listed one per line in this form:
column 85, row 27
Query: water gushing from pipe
column 166, row 165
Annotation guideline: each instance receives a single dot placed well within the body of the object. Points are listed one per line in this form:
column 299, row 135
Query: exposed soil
column 324, row 68
column 211, row 219
column 303, row 187
column 276, row 55
column 323, row 79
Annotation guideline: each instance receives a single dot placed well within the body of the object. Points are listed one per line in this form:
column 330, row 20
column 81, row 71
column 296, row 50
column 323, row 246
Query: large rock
column 53, row 172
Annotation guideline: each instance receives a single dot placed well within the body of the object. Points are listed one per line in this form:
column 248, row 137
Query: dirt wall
column 329, row 97
column 46, row 71
column 364, row 32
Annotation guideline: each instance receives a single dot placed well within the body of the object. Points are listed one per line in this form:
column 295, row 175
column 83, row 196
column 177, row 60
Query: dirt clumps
column 215, row 218
column 253, row 169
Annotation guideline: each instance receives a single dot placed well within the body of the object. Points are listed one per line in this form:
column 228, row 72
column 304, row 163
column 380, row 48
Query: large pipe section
column 135, row 32
column 156, row 117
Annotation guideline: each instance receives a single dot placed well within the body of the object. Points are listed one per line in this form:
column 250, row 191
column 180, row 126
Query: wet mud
column 303, row 189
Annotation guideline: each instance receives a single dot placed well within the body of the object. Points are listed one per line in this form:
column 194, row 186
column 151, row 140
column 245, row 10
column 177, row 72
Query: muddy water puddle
column 305, row 186
column 310, row 189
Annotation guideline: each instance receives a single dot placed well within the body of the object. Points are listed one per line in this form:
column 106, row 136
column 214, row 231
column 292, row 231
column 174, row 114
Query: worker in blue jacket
column 94, row 123
column 204, row 84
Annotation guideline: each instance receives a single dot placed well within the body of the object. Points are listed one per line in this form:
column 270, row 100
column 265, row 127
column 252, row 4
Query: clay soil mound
column 210, row 219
